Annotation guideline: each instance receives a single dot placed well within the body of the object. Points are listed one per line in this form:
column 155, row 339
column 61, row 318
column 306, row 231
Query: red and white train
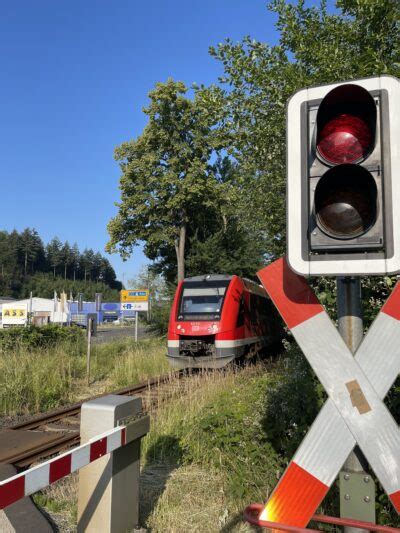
column 218, row 318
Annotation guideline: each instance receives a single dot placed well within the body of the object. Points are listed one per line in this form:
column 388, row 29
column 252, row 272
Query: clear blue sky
column 74, row 78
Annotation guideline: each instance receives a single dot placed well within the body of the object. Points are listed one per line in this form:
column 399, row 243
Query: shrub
column 160, row 317
column 40, row 337
column 294, row 398
column 228, row 435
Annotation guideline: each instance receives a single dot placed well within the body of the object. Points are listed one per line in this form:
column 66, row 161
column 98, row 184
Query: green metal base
column 357, row 496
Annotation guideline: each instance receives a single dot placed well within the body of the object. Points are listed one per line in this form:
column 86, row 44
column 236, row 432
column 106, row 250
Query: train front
column 196, row 319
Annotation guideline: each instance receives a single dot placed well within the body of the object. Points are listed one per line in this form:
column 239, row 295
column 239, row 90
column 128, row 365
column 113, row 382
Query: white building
column 41, row 310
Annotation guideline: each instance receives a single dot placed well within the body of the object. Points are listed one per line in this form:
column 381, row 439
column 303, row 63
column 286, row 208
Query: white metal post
column 136, row 325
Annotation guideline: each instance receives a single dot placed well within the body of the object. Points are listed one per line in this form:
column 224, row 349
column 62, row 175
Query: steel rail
column 74, row 409
column 41, row 451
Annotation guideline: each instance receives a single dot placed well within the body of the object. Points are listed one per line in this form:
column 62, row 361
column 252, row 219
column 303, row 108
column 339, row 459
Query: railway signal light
column 343, row 169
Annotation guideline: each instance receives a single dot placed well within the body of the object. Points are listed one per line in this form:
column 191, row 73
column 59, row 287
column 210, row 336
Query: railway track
column 42, row 436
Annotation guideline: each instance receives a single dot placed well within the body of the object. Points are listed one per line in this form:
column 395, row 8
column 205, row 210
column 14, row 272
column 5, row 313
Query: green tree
column 86, row 263
column 9, row 268
column 161, row 296
column 231, row 250
column 53, row 253
column 75, row 258
column 360, row 39
column 66, row 257
column 29, row 244
column 44, row 284
column 167, row 174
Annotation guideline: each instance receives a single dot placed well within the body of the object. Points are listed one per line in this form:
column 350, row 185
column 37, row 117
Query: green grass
column 218, row 427
column 220, row 444
column 35, row 380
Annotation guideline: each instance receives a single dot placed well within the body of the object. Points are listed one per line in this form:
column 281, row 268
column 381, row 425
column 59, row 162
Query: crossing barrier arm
column 44, row 474
column 108, row 461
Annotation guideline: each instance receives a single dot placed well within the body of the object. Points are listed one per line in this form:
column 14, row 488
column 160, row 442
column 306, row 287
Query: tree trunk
column 65, row 270
column 180, row 251
column 74, row 275
column 54, row 272
column 26, row 262
column 225, row 222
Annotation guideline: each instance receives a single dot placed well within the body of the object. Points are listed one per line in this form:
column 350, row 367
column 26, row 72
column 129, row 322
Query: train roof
column 250, row 285
column 210, row 277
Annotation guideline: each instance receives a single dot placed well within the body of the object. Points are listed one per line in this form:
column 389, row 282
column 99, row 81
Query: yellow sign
column 16, row 313
column 131, row 295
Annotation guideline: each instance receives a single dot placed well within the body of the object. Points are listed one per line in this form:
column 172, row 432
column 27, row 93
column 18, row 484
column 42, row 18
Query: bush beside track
column 39, row 337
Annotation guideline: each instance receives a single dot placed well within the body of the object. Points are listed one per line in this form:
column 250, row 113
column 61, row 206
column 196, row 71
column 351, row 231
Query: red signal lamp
column 344, row 139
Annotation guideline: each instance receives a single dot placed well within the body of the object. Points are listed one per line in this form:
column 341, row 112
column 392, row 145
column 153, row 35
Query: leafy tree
column 167, row 174
column 161, row 295
column 233, row 250
column 360, row 39
column 149, row 279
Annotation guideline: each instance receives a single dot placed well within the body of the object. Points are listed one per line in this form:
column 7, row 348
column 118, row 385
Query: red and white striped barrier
column 40, row 476
column 354, row 412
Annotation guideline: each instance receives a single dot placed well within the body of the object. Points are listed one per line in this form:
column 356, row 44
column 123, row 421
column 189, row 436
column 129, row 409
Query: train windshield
column 202, row 300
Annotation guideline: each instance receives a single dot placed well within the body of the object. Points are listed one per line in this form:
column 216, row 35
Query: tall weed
column 33, row 380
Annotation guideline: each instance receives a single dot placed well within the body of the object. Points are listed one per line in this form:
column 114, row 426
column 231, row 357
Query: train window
column 202, row 300
column 240, row 318
column 260, row 308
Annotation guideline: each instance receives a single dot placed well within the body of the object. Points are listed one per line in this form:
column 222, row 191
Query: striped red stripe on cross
column 356, row 386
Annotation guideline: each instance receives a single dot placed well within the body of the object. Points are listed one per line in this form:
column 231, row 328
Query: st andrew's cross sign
column 353, row 414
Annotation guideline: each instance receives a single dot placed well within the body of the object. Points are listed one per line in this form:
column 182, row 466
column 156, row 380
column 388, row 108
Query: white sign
column 15, row 314
column 135, row 306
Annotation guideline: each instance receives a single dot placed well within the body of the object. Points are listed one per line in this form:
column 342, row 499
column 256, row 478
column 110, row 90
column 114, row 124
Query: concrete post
column 108, row 497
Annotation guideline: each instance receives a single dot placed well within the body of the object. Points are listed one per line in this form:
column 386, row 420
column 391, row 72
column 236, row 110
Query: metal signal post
column 350, row 322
